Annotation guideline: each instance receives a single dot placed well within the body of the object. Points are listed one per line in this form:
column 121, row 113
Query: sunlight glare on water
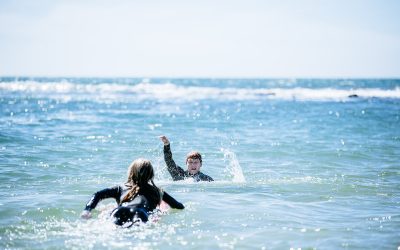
column 297, row 163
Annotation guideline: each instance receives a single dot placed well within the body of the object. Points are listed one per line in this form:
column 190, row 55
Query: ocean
column 297, row 163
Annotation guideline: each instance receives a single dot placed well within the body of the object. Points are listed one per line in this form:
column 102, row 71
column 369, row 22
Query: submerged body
column 136, row 198
column 178, row 173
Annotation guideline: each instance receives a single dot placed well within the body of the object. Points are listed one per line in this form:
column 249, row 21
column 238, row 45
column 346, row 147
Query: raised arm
column 164, row 139
column 176, row 172
column 172, row 202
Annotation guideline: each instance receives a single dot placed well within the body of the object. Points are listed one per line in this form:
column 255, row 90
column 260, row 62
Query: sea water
column 297, row 163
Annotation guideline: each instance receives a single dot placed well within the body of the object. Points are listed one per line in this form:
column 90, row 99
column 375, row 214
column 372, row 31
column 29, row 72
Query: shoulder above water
column 199, row 177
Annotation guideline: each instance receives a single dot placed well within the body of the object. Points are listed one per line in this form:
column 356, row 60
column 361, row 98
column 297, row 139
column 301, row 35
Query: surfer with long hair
column 136, row 198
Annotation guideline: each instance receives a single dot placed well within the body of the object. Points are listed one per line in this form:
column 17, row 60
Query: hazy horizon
column 179, row 39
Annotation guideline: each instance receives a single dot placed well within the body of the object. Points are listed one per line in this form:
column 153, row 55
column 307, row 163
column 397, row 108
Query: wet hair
column 194, row 155
column 140, row 173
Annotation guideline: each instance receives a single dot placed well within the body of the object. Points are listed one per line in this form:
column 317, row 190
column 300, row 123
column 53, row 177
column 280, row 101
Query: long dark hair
column 140, row 173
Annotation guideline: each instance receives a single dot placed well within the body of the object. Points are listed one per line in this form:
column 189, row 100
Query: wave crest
column 170, row 91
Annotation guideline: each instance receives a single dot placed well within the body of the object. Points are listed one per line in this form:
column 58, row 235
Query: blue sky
column 303, row 38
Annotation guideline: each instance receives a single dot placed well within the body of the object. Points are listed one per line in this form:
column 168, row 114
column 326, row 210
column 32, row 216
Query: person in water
column 136, row 198
column 193, row 164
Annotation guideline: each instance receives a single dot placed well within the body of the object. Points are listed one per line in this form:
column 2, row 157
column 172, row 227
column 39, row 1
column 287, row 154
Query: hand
column 164, row 139
column 86, row 214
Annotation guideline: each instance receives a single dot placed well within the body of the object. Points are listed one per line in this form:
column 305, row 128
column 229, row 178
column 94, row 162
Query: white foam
column 233, row 167
column 168, row 91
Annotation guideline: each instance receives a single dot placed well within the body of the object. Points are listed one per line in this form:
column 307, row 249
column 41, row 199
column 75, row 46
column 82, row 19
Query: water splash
column 98, row 232
column 233, row 168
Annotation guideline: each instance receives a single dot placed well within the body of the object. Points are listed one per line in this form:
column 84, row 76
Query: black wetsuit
column 177, row 172
column 130, row 211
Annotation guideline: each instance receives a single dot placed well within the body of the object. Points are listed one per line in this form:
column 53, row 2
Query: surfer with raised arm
column 193, row 164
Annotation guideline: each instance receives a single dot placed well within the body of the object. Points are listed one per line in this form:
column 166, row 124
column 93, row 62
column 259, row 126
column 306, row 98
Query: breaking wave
column 170, row 91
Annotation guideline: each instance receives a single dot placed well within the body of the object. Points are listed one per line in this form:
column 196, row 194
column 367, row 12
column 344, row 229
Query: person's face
column 193, row 165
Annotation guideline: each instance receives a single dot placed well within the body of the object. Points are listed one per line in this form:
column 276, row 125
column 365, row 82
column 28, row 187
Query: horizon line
column 212, row 77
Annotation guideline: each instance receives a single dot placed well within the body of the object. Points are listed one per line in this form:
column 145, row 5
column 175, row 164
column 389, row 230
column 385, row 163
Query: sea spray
column 233, row 168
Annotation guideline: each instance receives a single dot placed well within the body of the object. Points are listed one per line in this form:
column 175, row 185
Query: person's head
column 193, row 162
column 140, row 172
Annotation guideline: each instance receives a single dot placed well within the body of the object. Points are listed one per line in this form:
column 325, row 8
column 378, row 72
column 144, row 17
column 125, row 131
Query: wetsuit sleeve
column 207, row 178
column 114, row 192
column 176, row 172
column 172, row 202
